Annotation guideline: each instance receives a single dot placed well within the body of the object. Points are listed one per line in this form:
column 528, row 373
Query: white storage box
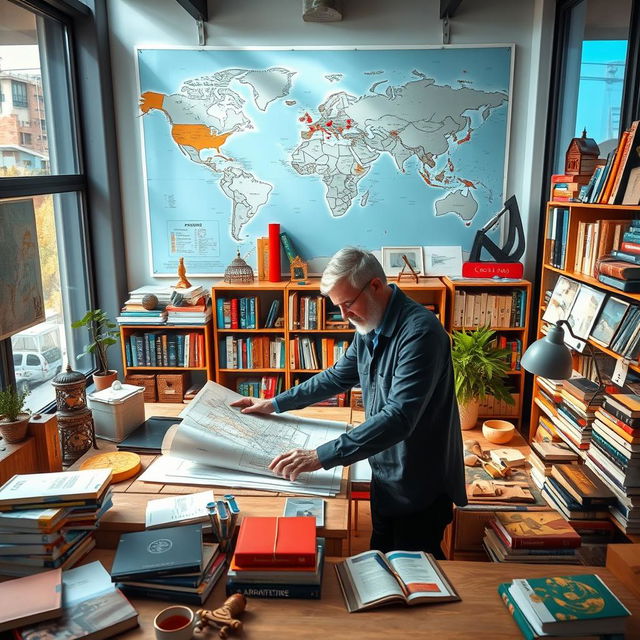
column 117, row 411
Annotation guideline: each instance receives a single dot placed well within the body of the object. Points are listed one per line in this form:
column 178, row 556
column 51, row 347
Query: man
column 401, row 358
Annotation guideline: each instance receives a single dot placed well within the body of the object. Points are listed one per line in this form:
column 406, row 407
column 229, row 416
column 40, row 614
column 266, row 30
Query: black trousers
column 421, row 531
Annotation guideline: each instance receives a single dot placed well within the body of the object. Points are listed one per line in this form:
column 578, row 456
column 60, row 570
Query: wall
column 527, row 23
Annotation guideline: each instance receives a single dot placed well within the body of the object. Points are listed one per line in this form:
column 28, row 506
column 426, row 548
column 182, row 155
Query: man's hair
column 354, row 265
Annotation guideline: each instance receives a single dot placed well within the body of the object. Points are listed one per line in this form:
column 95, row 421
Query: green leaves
column 102, row 332
column 11, row 403
column 479, row 366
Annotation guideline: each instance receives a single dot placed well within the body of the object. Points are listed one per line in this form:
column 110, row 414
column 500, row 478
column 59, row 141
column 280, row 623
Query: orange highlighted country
column 151, row 100
column 198, row 136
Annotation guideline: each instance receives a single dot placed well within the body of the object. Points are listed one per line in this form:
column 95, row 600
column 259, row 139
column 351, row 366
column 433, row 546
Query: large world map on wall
column 373, row 147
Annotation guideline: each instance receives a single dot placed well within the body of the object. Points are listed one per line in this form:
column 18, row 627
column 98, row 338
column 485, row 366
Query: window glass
column 593, row 75
column 34, row 88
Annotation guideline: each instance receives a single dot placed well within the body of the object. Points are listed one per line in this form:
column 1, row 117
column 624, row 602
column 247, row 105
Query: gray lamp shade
column 549, row 357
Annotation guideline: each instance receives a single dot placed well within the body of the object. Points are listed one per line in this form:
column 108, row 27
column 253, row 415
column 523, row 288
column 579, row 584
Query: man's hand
column 254, row 405
column 291, row 464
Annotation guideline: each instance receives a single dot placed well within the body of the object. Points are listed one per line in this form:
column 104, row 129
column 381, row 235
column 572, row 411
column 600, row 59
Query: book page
column 421, row 579
column 371, row 577
column 178, row 509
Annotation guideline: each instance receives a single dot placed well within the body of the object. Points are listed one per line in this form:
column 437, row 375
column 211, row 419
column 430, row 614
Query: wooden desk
column 130, row 497
column 480, row 615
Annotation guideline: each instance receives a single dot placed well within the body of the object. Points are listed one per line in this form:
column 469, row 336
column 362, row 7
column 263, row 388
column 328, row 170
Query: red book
column 535, row 530
column 276, row 542
column 630, row 247
column 235, row 314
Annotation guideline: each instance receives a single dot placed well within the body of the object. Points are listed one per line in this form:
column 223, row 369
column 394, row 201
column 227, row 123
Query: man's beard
column 375, row 318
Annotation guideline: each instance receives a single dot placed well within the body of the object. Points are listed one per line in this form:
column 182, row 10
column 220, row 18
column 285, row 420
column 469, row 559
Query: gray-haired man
column 401, row 358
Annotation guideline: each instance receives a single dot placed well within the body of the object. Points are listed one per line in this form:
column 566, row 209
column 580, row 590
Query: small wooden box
column 356, row 399
column 171, row 386
column 148, row 381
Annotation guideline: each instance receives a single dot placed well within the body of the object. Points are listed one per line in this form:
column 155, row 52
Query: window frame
column 100, row 226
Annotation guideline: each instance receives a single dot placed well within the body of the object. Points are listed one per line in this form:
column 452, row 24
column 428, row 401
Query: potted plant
column 14, row 420
column 103, row 334
column 479, row 369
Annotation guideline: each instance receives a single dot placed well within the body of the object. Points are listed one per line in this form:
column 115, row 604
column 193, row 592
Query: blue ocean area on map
column 391, row 147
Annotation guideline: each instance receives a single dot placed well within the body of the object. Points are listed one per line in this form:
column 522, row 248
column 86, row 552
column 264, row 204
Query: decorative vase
column 104, row 381
column 16, row 431
column 468, row 414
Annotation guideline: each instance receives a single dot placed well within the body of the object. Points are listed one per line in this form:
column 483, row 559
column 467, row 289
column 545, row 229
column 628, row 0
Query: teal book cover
column 525, row 628
column 580, row 601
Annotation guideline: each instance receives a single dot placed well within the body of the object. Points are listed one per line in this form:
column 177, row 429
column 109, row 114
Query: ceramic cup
column 174, row 623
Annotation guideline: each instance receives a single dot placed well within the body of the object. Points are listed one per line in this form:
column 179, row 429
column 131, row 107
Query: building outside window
column 19, row 94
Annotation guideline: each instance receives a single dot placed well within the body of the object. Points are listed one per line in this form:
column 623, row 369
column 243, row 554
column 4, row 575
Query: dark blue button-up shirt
column 411, row 434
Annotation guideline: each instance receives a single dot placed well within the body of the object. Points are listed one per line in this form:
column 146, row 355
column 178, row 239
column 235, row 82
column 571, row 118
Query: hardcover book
column 628, row 404
column 374, row 579
column 178, row 510
column 569, row 605
column 587, row 489
column 30, row 599
column 93, row 608
column 276, row 542
column 305, row 507
column 550, row 451
column 147, row 438
column 535, row 529
column 171, row 550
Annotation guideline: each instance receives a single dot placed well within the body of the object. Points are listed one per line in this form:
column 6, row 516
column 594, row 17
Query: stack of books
column 533, row 537
column 81, row 603
column 196, row 314
column 544, row 455
column 621, row 269
column 577, row 493
column 615, row 456
column 47, row 520
column 579, row 398
column 170, row 563
column 579, row 605
column 566, row 188
column 133, row 312
column 277, row 558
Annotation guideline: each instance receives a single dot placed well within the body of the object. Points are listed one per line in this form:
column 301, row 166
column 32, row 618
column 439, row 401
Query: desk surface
column 480, row 615
column 130, row 497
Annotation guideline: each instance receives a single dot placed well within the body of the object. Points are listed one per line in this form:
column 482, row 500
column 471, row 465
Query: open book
column 373, row 579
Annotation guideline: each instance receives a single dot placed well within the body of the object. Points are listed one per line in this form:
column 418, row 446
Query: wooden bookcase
column 427, row 291
column 478, row 286
column 578, row 212
column 127, row 330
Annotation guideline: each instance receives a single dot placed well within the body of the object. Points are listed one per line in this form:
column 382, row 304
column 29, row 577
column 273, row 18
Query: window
column 593, row 74
column 51, row 181
column 19, row 94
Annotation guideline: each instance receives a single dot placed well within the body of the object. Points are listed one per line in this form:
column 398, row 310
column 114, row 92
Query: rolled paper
column 274, row 252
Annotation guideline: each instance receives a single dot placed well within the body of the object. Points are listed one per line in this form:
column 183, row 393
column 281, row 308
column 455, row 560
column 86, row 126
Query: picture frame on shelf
column 610, row 318
column 443, row 261
column 392, row 261
column 561, row 301
column 583, row 315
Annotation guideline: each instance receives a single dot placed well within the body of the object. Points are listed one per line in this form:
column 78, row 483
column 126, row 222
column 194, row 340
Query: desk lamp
column 550, row 357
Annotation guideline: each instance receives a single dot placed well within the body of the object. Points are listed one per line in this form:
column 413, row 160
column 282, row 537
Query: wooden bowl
column 498, row 431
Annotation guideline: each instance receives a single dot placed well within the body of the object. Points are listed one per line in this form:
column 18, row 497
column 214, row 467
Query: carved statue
column 225, row 617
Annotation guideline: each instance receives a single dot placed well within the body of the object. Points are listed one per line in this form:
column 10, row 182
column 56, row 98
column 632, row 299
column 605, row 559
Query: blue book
column 275, row 591
column 252, row 313
column 220, row 313
column 630, row 286
column 525, row 628
column 180, row 350
column 127, row 352
column 151, row 341
column 133, row 349
column 222, row 353
column 172, row 350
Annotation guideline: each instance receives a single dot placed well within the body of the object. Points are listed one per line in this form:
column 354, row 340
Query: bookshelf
column 575, row 261
column 470, row 303
column 314, row 328
column 200, row 355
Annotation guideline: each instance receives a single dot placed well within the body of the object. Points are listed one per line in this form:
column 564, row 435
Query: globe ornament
column 238, row 272
column 149, row 301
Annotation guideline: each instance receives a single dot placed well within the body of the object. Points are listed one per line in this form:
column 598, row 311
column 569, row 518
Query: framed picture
column 392, row 261
column 443, row 261
column 583, row 315
column 610, row 318
column 561, row 301
column 20, row 276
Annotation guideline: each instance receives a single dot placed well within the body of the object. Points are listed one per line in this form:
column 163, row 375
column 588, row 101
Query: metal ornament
column 75, row 420
column 238, row 272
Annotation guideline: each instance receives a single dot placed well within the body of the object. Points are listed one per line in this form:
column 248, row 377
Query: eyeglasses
column 347, row 305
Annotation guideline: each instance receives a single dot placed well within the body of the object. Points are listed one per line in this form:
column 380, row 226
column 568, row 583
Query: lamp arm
column 592, row 353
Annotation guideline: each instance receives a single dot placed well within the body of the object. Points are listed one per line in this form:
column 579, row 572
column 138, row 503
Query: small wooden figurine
column 183, row 283
column 581, row 156
column 407, row 264
column 299, row 270
column 223, row 618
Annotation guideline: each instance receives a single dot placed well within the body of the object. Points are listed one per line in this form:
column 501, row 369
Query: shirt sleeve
column 424, row 358
column 340, row 377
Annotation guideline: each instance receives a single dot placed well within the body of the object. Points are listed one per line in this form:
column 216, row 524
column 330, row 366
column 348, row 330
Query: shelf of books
column 591, row 278
column 272, row 336
column 504, row 306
